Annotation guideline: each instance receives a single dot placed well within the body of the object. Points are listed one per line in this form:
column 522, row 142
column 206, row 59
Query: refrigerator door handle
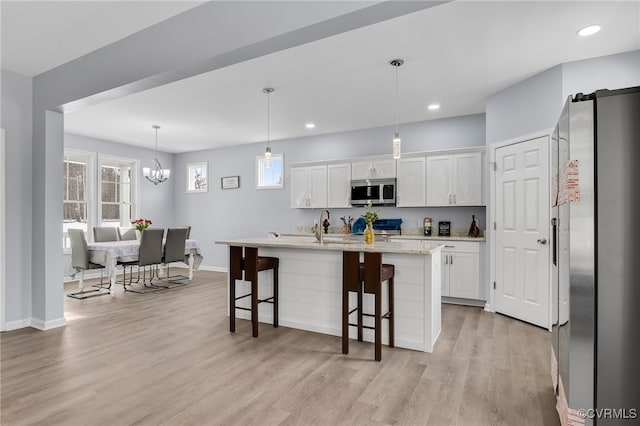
column 554, row 240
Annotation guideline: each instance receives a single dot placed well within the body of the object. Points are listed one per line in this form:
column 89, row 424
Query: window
column 116, row 182
column 117, row 194
column 270, row 177
column 78, row 211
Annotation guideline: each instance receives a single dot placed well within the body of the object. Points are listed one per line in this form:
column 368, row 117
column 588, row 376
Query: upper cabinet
column 373, row 169
column 454, row 180
column 411, row 182
column 339, row 185
column 309, row 187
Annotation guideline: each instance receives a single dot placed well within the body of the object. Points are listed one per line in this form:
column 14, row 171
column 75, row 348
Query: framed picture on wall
column 230, row 182
column 197, row 177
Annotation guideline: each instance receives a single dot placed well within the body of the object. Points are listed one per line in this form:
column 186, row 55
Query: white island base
column 310, row 289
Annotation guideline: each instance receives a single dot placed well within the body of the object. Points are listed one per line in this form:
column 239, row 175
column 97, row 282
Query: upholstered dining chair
column 174, row 249
column 105, row 233
column 80, row 262
column 150, row 255
column 127, row 233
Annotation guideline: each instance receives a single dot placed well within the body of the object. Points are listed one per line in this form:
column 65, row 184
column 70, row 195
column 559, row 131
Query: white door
column 522, row 231
column 439, row 184
column 467, row 179
column 411, row 189
column 318, row 186
column 339, row 181
column 464, row 275
column 300, row 188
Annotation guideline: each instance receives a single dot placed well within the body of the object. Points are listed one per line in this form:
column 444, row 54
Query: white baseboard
column 48, row 325
column 35, row 323
column 15, row 325
column 213, row 269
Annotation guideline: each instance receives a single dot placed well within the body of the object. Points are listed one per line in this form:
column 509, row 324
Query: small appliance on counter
column 444, row 229
column 427, row 226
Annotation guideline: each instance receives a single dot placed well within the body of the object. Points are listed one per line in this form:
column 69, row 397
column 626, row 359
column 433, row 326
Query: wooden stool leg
column 350, row 282
column 373, row 285
column 275, row 296
column 391, row 313
column 251, row 274
column 360, row 315
column 235, row 273
column 378, row 330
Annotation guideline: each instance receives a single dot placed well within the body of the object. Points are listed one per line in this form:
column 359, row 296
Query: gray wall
column 244, row 212
column 606, row 72
column 529, row 106
column 16, row 120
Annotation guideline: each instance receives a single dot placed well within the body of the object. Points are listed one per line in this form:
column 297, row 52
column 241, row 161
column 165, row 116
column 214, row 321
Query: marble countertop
column 437, row 238
column 337, row 243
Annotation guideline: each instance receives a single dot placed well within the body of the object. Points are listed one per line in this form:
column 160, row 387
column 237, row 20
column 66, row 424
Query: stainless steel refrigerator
column 596, row 258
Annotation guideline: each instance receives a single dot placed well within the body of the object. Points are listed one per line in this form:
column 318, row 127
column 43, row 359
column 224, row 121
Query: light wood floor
column 167, row 358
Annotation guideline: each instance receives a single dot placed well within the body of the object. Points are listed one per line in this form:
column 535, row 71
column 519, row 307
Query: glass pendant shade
column 267, row 157
column 396, row 145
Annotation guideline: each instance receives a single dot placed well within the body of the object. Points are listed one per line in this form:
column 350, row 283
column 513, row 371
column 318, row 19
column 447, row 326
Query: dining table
column 109, row 253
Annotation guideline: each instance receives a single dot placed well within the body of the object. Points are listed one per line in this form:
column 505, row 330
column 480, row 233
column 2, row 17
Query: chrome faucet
column 317, row 228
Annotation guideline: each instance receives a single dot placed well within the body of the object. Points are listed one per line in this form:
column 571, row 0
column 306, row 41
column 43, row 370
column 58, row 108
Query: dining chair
column 150, row 254
column 127, row 233
column 80, row 261
column 174, row 249
column 103, row 234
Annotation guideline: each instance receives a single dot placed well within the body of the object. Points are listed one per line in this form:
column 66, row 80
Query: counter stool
column 251, row 264
column 366, row 277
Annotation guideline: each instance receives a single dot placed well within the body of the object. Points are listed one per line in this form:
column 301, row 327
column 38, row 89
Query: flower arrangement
column 370, row 215
column 141, row 224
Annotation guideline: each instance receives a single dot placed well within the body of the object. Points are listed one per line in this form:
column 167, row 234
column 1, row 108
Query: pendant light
column 156, row 174
column 396, row 135
column 267, row 151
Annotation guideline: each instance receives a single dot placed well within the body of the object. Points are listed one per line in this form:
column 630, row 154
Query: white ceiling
column 456, row 54
column 40, row 35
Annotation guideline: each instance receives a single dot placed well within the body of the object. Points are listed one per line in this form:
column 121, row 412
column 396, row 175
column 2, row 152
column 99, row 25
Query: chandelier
column 156, row 174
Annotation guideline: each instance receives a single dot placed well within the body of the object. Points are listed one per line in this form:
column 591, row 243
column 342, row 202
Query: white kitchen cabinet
column 309, row 187
column 339, row 185
column 373, row 169
column 461, row 270
column 411, row 185
column 454, row 180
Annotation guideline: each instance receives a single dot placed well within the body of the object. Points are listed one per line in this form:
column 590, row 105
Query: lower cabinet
column 460, row 273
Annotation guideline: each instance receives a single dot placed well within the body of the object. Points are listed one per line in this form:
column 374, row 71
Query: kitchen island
column 310, row 286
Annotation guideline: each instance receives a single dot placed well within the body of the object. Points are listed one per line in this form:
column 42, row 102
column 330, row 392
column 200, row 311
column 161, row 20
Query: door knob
column 542, row 241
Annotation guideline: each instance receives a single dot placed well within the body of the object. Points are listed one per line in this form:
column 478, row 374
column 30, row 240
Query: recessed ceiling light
column 433, row 107
column 589, row 30
column 310, row 126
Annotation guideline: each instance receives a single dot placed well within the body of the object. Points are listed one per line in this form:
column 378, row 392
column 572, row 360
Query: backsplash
column 412, row 218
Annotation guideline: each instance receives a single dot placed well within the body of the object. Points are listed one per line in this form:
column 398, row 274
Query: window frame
column 260, row 169
column 89, row 158
column 117, row 161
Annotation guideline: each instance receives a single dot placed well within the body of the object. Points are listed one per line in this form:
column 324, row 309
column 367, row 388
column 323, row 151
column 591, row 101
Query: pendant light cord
column 268, row 117
column 396, row 67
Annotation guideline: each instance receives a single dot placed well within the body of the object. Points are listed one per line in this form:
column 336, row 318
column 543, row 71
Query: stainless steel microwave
column 378, row 192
